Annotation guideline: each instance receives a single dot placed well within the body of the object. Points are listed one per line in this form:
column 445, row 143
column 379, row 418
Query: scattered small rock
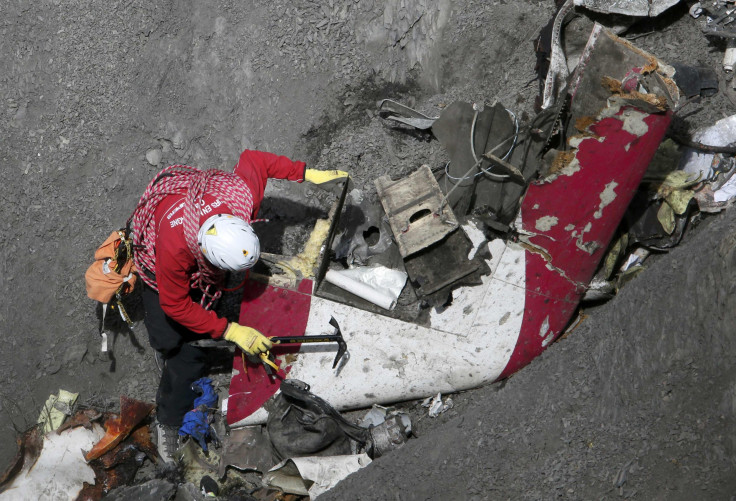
column 154, row 156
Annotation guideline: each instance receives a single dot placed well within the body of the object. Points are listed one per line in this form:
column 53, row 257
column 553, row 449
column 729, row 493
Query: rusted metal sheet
column 416, row 211
column 117, row 428
column 608, row 58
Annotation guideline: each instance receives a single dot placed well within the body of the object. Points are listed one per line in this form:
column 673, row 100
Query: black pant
column 184, row 363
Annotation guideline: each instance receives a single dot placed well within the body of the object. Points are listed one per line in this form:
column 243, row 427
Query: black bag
column 302, row 424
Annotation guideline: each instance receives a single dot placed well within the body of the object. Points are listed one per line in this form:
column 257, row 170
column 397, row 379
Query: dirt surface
column 96, row 97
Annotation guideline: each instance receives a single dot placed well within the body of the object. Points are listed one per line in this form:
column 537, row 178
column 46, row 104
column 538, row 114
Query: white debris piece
column 476, row 236
column 436, row 406
column 375, row 416
column 379, row 414
column 377, row 284
column 722, row 133
column 635, row 259
column 60, row 471
column 312, row 476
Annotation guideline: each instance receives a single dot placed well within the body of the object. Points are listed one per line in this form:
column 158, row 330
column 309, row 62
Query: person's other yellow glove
column 248, row 339
column 315, row 176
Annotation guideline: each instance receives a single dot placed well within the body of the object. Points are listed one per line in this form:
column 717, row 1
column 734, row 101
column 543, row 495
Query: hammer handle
column 305, row 339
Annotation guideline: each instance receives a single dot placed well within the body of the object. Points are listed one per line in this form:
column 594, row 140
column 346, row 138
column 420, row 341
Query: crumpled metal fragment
column 117, row 428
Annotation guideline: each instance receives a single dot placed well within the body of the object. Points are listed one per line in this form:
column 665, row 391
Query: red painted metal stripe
column 584, row 220
column 273, row 311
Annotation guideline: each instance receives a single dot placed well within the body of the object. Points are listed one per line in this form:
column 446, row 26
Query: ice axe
column 336, row 337
column 268, row 359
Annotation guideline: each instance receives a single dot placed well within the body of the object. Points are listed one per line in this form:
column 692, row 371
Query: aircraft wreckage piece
column 117, row 428
column 53, row 466
column 391, row 110
column 566, row 221
column 558, row 65
column 417, row 211
column 638, row 8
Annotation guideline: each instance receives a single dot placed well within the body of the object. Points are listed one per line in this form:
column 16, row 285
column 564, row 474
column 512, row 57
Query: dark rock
column 153, row 490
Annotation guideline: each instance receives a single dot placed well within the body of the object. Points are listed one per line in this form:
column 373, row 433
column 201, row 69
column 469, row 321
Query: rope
column 193, row 184
column 478, row 163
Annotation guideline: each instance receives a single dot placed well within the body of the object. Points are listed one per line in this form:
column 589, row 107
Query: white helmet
column 229, row 243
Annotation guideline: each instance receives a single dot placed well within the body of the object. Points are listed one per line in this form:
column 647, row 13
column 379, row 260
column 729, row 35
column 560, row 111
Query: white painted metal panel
column 469, row 343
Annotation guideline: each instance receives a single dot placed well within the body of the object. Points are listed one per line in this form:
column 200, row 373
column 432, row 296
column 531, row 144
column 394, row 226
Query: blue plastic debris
column 196, row 422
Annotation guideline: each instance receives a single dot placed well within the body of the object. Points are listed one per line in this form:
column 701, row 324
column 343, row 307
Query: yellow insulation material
column 306, row 261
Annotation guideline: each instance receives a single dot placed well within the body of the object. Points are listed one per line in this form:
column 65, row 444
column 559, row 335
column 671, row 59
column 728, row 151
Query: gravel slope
column 96, row 97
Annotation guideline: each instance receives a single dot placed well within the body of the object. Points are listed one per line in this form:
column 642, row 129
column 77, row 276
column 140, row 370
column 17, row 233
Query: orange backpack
column 112, row 275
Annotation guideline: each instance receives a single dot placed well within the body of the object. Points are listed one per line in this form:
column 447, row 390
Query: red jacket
column 175, row 263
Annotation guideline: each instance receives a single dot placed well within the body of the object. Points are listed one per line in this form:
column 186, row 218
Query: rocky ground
column 96, row 97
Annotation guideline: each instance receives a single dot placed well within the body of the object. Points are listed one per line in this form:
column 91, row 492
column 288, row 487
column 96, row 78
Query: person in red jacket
column 189, row 227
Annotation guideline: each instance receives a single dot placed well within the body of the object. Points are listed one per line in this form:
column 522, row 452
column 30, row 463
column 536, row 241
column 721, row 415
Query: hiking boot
column 167, row 442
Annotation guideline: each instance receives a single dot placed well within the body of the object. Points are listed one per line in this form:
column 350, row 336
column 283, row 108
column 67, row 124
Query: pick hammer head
column 342, row 346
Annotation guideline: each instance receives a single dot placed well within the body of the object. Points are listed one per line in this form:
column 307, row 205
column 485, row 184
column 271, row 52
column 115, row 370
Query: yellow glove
column 248, row 339
column 315, row 176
